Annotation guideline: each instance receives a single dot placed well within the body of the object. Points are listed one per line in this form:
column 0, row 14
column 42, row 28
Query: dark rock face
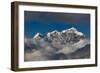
column 70, row 36
column 82, row 53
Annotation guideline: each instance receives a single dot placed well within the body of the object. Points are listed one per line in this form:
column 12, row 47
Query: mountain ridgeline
column 67, row 44
column 69, row 36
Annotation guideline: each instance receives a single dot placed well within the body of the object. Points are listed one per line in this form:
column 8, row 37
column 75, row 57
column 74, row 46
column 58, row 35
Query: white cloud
column 72, row 48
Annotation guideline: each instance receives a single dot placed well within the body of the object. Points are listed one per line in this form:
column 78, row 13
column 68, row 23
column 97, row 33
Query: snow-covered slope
column 37, row 36
column 69, row 36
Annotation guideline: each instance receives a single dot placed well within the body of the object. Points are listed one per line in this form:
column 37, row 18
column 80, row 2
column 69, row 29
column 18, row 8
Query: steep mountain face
column 38, row 36
column 69, row 36
column 57, row 45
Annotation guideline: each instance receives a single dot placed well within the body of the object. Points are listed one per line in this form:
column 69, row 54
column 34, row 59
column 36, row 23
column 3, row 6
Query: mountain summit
column 73, row 30
column 71, row 35
column 68, row 36
column 38, row 36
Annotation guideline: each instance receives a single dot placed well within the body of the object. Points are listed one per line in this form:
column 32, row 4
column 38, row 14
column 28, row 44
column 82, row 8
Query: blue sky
column 44, row 22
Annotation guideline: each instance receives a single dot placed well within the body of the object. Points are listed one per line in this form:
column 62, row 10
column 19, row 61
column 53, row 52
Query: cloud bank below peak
column 57, row 46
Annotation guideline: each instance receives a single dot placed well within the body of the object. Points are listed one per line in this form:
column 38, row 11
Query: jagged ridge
column 66, row 36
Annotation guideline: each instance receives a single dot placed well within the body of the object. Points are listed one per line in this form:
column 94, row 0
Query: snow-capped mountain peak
column 38, row 35
column 71, row 35
column 74, row 29
column 55, row 31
